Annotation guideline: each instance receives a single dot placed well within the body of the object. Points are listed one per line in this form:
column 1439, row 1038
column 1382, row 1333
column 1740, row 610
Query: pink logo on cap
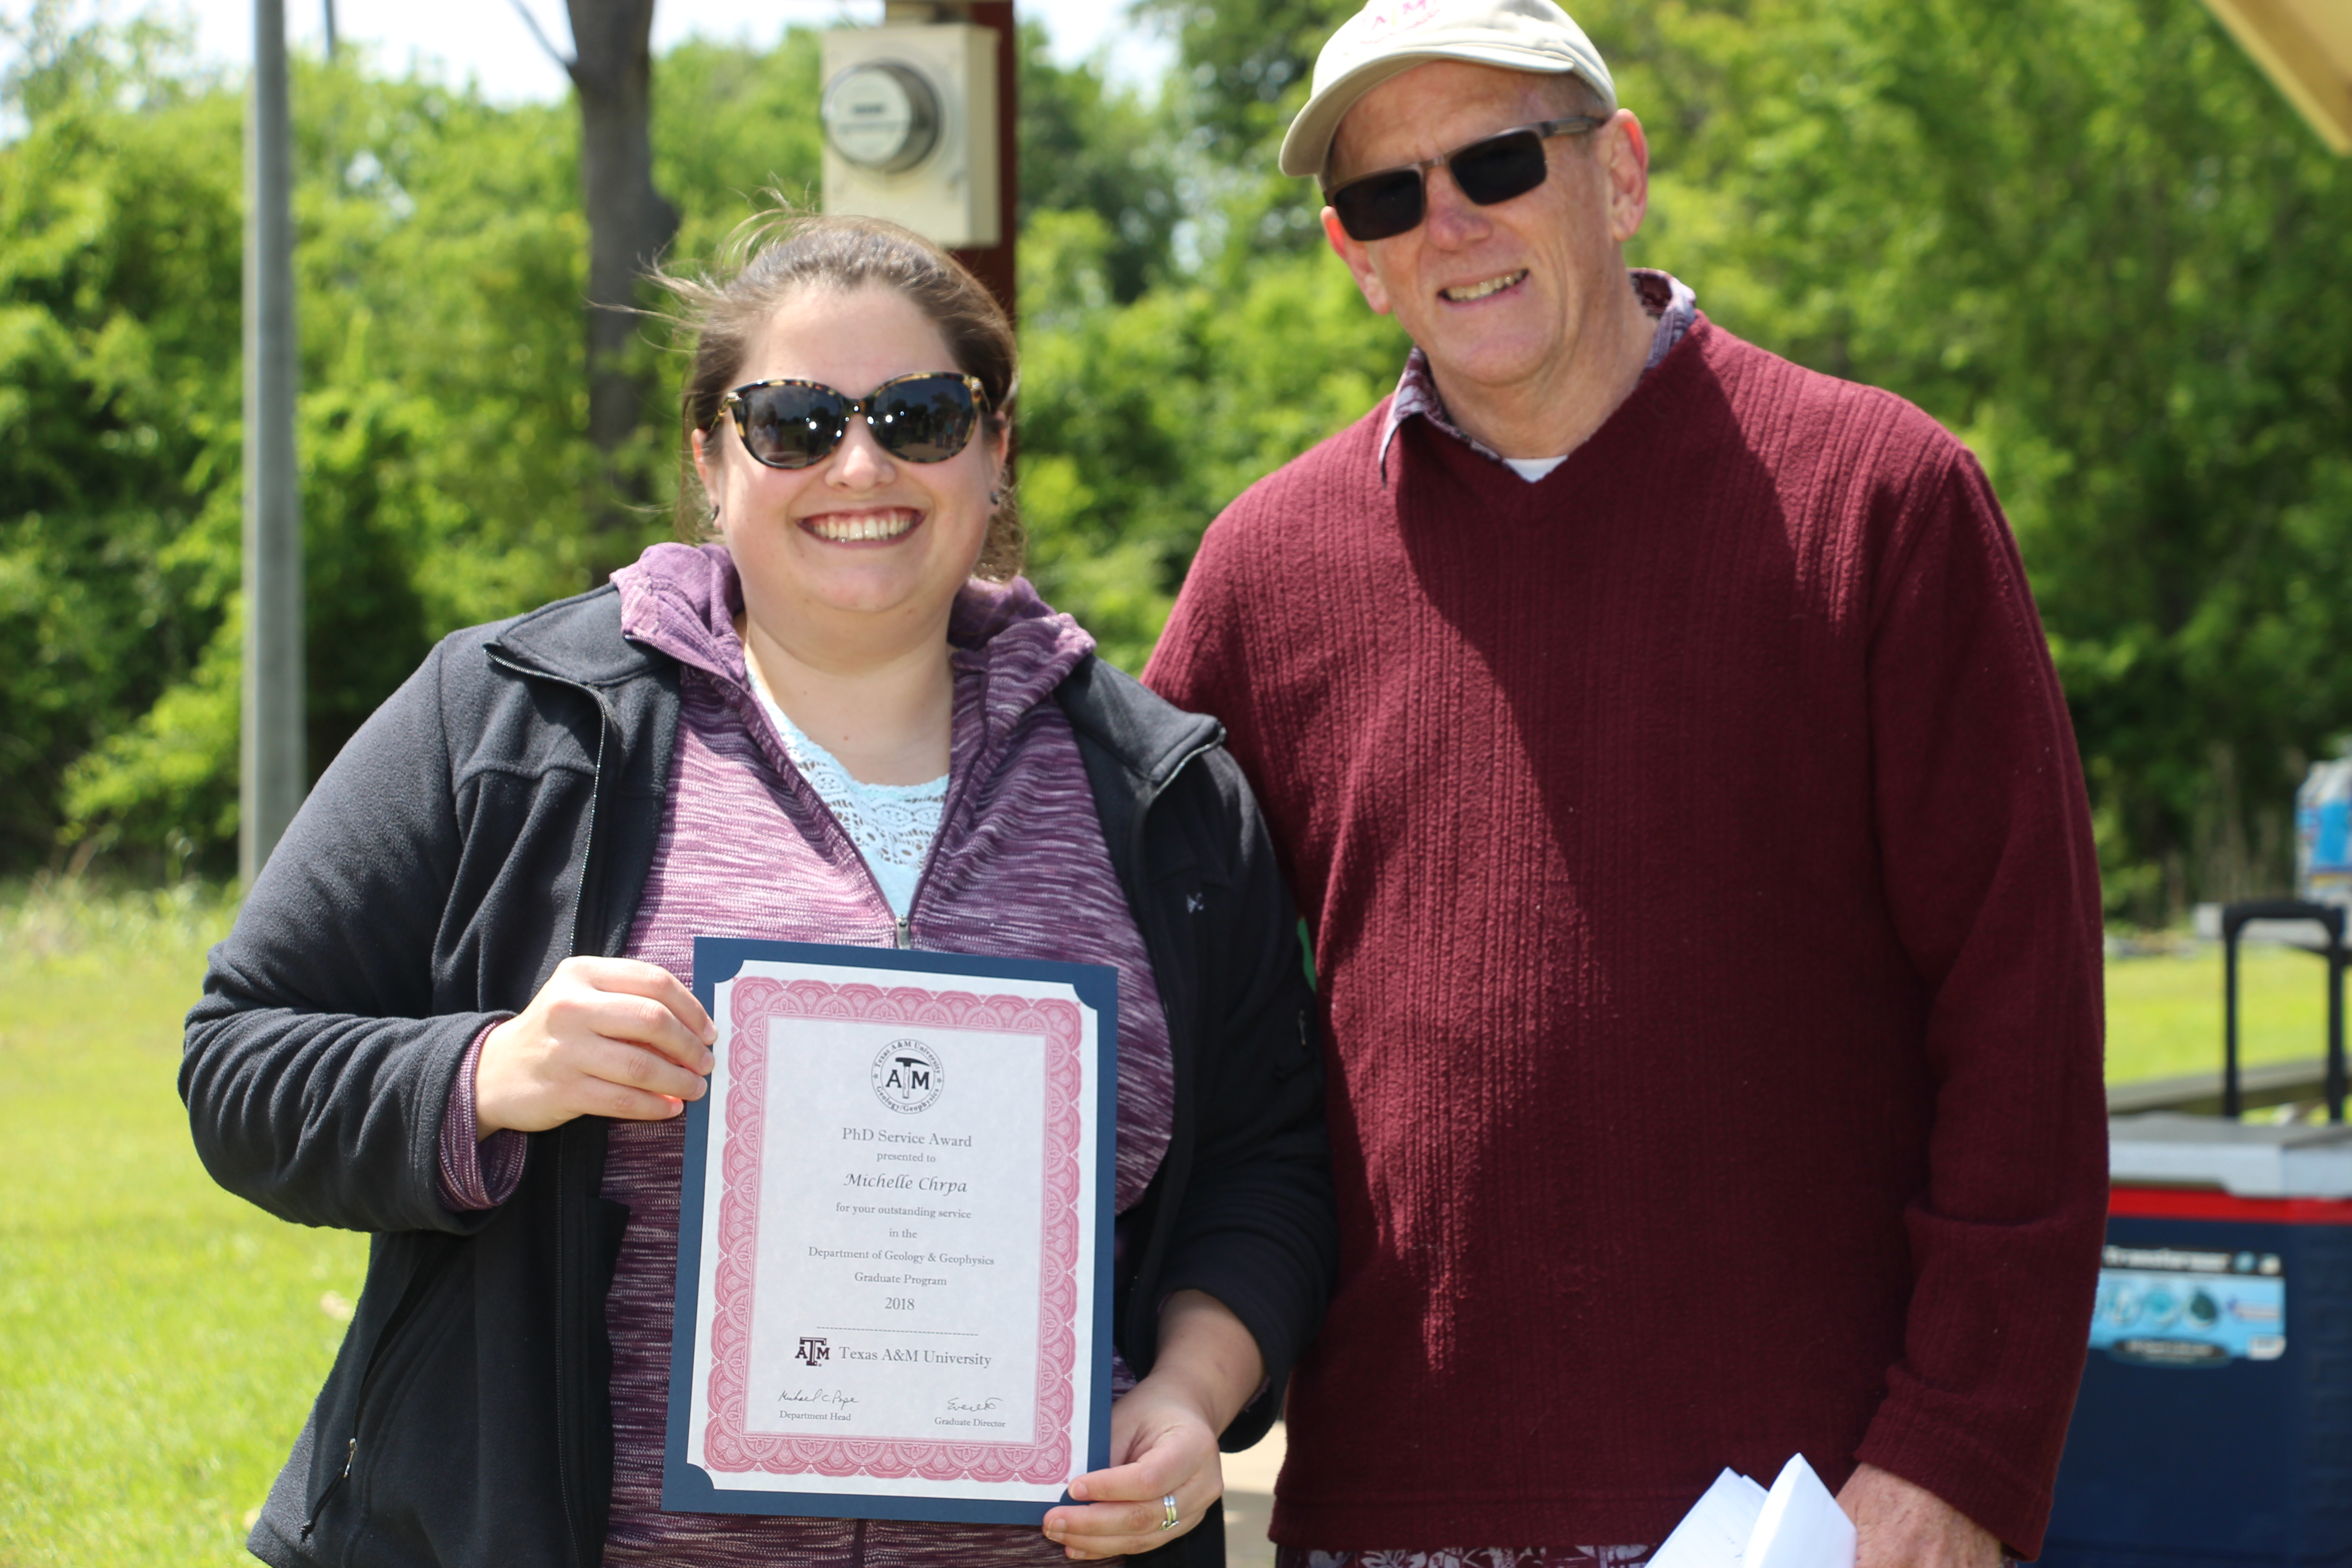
column 1397, row 18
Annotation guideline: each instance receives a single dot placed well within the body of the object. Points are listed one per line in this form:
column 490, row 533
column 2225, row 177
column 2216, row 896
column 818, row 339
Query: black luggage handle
column 2234, row 917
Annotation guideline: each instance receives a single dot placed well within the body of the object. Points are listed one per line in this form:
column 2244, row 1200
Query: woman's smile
column 864, row 526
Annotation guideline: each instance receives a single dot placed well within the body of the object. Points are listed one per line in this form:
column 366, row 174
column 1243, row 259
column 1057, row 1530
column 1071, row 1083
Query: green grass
column 2164, row 1014
column 159, row 1341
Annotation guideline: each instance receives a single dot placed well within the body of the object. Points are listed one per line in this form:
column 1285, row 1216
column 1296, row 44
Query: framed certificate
column 894, row 1235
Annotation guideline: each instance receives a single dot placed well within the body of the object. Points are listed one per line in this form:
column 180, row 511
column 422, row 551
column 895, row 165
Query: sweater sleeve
column 1198, row 663
column 1992, row 884
column 316, row 1078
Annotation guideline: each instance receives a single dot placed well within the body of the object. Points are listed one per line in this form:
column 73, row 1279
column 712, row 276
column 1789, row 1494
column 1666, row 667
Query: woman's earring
column 996, row 498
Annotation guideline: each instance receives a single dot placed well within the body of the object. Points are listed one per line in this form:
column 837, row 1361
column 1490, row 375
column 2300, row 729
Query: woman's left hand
column 1170, row 1451
column 1163, row 1437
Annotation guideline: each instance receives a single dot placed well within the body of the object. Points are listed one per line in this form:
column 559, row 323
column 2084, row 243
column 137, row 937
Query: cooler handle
column 2233, row 920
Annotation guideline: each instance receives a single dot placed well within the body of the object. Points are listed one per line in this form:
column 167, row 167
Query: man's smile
column 1463, row 293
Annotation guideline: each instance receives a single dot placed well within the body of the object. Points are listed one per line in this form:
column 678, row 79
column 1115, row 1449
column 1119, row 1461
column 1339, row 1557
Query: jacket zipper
column 351, row 1457
column 902, row 927
column 414, row 1293
column 564, row 1263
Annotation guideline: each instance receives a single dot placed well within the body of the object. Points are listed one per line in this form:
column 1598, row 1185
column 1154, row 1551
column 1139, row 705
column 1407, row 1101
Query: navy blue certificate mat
column 687, row 1489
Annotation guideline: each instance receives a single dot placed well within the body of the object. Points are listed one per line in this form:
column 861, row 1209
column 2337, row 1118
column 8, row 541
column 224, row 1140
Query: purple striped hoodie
column 1019, row 869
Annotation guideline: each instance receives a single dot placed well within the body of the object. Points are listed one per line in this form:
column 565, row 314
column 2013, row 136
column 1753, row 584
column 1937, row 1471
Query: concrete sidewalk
column 1249, row 1501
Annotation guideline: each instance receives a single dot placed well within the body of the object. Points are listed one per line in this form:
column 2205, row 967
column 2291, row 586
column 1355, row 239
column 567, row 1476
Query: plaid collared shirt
column 1664, row 296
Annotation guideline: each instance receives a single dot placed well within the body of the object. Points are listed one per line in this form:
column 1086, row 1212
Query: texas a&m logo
column 907, row 1075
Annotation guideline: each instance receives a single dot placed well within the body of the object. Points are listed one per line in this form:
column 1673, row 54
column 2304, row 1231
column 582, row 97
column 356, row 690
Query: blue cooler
column 2215, row 1422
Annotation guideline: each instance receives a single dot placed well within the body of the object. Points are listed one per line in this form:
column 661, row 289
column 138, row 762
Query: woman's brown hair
column 776, row 252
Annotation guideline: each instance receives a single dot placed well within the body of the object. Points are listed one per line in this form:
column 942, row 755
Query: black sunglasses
column 926, row 417
column 1492, row 169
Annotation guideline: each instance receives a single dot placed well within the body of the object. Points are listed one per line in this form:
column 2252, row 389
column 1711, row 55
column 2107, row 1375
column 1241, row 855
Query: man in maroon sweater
column 1668, row 759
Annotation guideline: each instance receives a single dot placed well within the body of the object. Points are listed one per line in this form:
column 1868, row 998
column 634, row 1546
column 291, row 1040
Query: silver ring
column 1168, row 1503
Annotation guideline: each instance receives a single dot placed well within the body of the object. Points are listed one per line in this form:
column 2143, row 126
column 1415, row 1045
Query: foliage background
column 2085, row 234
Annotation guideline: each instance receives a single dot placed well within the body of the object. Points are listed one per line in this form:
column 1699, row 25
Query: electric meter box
column 909, row 114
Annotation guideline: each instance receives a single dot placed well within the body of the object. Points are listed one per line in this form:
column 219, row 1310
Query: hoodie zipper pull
column 906, row 932
column 351, row 1457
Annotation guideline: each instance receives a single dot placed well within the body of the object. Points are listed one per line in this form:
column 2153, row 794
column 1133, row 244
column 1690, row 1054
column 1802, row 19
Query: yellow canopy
column 2304, row 46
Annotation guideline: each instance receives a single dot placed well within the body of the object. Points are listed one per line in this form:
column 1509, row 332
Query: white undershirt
column 1533, row 469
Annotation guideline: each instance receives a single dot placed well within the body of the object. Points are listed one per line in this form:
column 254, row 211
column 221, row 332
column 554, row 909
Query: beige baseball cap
column 1389, row 37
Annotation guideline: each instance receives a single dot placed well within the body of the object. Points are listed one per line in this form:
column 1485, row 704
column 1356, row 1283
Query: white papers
column 1738, row 1524
column 1714, row 1533
column 1802, row 1525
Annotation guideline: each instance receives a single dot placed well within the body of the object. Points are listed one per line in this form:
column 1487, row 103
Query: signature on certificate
column 832, row 1396
column 957, row 1402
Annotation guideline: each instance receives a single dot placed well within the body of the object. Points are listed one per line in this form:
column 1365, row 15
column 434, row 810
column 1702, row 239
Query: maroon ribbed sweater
column 1703, row 891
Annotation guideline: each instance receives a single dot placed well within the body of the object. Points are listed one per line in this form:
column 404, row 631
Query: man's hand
column 1898, row 1525
column 604, row 1037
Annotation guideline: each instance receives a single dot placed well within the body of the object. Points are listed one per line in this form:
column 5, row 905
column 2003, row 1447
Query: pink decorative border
column 727, row 1442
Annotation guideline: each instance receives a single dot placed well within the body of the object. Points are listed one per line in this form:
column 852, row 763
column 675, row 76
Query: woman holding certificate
column 459, row 1011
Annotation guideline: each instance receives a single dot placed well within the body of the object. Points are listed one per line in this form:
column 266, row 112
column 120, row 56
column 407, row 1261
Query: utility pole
column 995, row 265
column 271, row 774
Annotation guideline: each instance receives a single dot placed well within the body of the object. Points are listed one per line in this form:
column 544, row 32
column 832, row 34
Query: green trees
column 2085, row 234
column 437, row 261
column 118, row 287
column 441, row 260
column 2089, row 237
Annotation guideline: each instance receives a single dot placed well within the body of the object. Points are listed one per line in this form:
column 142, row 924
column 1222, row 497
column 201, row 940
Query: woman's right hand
column 604, row 1037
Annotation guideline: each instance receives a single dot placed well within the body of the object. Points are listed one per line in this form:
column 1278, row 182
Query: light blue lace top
column 892, row 825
